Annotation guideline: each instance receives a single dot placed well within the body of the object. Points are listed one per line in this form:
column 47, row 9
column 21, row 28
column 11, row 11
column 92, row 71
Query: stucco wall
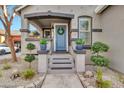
column 112, row 22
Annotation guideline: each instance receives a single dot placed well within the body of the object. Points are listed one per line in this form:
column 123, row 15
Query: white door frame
column 66, row 24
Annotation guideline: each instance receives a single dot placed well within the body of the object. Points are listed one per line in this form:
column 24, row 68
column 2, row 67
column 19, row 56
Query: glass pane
column 86, row 36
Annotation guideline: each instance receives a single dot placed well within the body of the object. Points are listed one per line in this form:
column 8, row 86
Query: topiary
column 98, row 47
column 100, row 60
column 29, row 58
column 30, row 46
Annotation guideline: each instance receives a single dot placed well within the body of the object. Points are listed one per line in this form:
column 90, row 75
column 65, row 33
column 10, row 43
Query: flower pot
column 79, row 47
column 43, row 47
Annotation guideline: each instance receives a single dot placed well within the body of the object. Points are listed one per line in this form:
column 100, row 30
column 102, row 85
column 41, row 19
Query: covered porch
column 55, row 27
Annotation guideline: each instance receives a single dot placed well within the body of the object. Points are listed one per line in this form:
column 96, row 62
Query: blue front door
column 60, row 37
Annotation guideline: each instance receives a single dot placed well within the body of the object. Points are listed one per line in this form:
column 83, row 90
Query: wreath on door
column 60, row 31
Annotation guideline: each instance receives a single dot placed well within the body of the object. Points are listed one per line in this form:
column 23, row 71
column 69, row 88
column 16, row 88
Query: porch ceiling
column 48, row 15
column 46, row 23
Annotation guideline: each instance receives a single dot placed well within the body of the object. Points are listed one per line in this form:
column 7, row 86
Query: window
column 85, row 26
column 33, row 32
column 47, row 33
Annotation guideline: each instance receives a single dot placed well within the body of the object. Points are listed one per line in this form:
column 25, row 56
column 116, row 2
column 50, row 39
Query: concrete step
column 58, row 71
column 61, row 63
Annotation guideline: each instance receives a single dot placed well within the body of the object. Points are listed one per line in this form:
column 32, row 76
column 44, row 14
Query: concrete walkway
column 62, row 81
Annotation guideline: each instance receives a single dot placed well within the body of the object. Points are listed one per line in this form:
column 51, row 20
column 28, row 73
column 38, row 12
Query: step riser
column 61, row 71
column 61, row 65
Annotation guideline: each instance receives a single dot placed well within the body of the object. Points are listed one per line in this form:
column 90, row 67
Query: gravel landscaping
column 108, row 74
column 6, row 81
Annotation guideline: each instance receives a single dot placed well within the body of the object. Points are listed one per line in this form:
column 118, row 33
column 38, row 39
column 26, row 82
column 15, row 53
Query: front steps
column 61, row 63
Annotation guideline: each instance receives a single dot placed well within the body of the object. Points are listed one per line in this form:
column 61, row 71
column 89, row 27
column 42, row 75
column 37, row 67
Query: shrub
column 6, row 66
column 43, row 41
column 99, row 74
column 104, row 84
column 100, row 60
column 0, row 73
column 99, row 80
column 28, row 74
column 80, row 41
column 99, row 47
column 29, row 58
column 30, row 46
column 121, row 78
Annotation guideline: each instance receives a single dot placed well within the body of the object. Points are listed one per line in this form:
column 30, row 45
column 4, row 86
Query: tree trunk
column 30, row 65
column 11, row 46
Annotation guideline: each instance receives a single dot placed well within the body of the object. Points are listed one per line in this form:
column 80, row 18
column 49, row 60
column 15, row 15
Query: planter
column 79, row 47
column 43, row 47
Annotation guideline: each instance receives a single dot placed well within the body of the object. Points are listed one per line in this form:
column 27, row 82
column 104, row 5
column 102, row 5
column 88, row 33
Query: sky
column 16, row 24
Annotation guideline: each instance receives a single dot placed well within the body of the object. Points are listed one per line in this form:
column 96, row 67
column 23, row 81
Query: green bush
column 43, row 41
column 100, row 60
column 80, row 41
column 99, row 47
column 30, row 46
column 99, row 74
column 29, row 58
column 6, row 66
column 104, row 84
column 1, row 73
column 28, row 74
column 99, row 80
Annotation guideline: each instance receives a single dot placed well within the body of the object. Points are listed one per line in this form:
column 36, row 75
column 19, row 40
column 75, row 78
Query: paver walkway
column 62, row 81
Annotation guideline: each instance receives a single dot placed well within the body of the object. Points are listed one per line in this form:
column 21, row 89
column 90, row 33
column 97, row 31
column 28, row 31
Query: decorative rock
column 88, row 74
column 30, row 86
column 82, row 78
column 38, row 83
column 15, row 74
column 20, row 87
column 86, row 84
column 90, row 87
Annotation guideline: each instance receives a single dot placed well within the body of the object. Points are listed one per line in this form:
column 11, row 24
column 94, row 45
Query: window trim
column 85, row 16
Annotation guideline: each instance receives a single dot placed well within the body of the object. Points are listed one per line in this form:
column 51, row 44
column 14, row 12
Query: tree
column 6, row 17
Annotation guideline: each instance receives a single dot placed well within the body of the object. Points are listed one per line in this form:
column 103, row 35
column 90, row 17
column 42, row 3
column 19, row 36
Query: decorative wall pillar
column 24, row 34
column 80, row 62
column 42, row 61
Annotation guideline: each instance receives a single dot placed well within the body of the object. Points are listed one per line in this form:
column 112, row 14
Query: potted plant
column 79, row 43
column 43, row 44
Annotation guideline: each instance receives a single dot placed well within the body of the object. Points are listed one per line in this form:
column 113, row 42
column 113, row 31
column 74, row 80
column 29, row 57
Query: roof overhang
column 20, row 8
column 99, row 9
column 49, row 14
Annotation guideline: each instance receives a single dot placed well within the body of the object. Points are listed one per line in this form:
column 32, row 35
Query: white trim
column 66, row 35
column 99, row 9
column 21, row 7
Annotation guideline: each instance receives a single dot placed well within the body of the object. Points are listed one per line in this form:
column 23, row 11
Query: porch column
column 24, row 34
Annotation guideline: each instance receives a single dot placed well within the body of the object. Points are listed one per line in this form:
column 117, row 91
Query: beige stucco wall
column 112, row 22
